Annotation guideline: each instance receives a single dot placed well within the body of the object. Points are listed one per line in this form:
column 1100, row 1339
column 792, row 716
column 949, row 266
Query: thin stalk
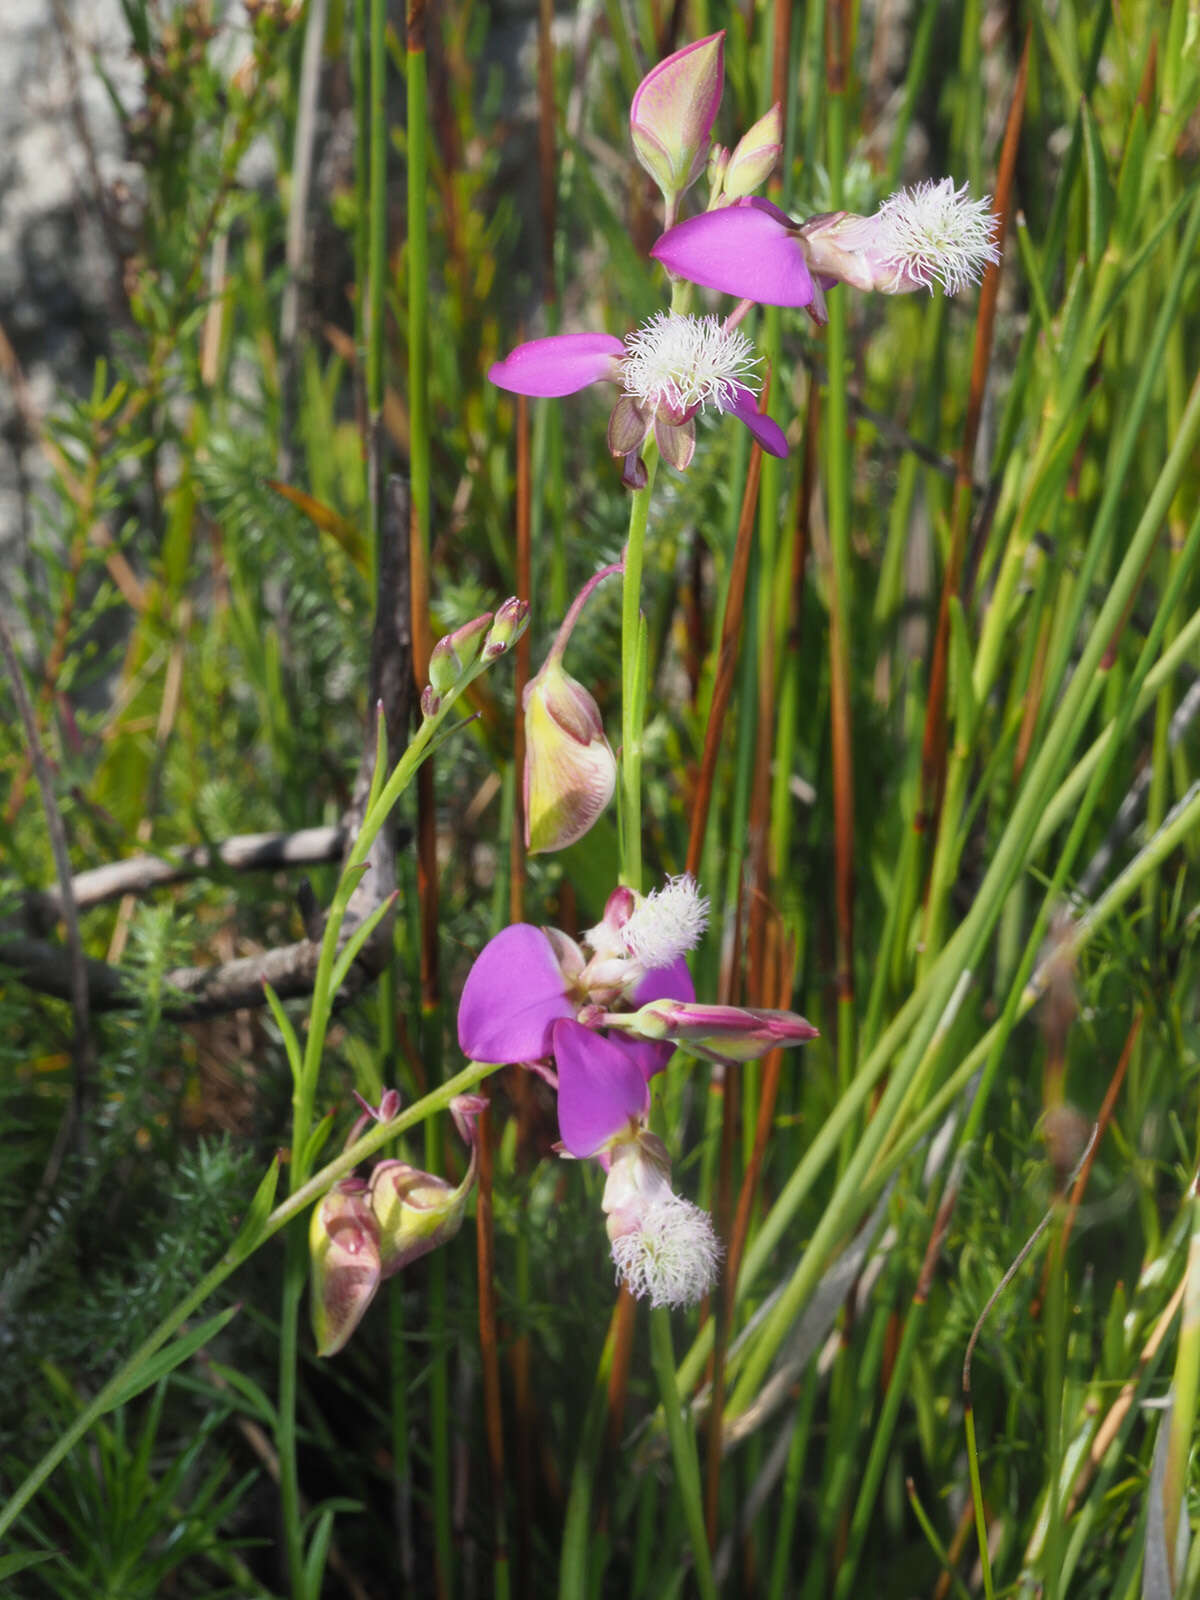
column 793, row 1482
column 376, row 273
column 841, row 580
column 398, row 1382
column 683, row 1449
column 485, row 1258
column 933, row 744
column 726, row 663
column 291, row 1512
column 417, row 160
column 1186, row 1386
column 439, row 1415
column 576, row 1559
column 897, row 1393
column 1056, row 1341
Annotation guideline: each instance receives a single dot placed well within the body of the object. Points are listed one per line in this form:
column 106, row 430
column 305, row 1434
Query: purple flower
column 534, row 996
column 668, row 370
column 748, row 249
column 930, row 233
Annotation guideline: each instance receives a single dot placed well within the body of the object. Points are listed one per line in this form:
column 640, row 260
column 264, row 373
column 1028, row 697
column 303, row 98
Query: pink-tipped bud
column 718, row 1033
column 754, row 156
column 466, row 1109
column 456, row 652
column 718, row 160
column 673, row 110
column 510, row 622
column 343, row 1240
column 570, row 770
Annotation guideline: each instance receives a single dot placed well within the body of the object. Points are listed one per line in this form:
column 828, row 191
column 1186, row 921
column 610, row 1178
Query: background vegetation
column 941, row 664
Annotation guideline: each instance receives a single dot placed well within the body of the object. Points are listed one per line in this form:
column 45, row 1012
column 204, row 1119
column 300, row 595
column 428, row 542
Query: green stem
column 576, row 1559
column 294, row 1274
column 376, row 243
column 981, row 1529
column 683, row 1448
column 1056, row 1338
column 1186, row 1385
column 417, row 154
column 837, row 473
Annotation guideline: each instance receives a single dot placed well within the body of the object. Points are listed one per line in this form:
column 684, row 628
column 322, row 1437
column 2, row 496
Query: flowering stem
column 683, row 1448
column 306, row 1073
column 577, row 605
column 242, row 1248
column 633, row 676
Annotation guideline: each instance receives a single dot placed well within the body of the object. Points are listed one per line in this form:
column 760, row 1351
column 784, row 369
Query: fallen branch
column 246, row 852
column 196, row 992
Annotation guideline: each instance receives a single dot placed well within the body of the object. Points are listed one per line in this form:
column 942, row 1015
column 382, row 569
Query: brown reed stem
column 625, row 1323
column 933, row 744
column 726, row 661
column 488, row 1345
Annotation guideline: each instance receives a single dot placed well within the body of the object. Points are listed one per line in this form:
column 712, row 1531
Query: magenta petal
column 559, row 365
column 768, row 433
column 664, row 983
column 600, row 1087
column 747, row 250
column 513, row 995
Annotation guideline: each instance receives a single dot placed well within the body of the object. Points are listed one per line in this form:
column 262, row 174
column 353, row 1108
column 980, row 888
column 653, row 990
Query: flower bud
column 343, row 1240
column 455, row 652
column 431, row 703
column 415, row 1211
column 510, row 622
column 363, row 1232
column 673, row 111
column 570, row 770
column 718, row 160
column 717, row 1033
column 754, row 155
